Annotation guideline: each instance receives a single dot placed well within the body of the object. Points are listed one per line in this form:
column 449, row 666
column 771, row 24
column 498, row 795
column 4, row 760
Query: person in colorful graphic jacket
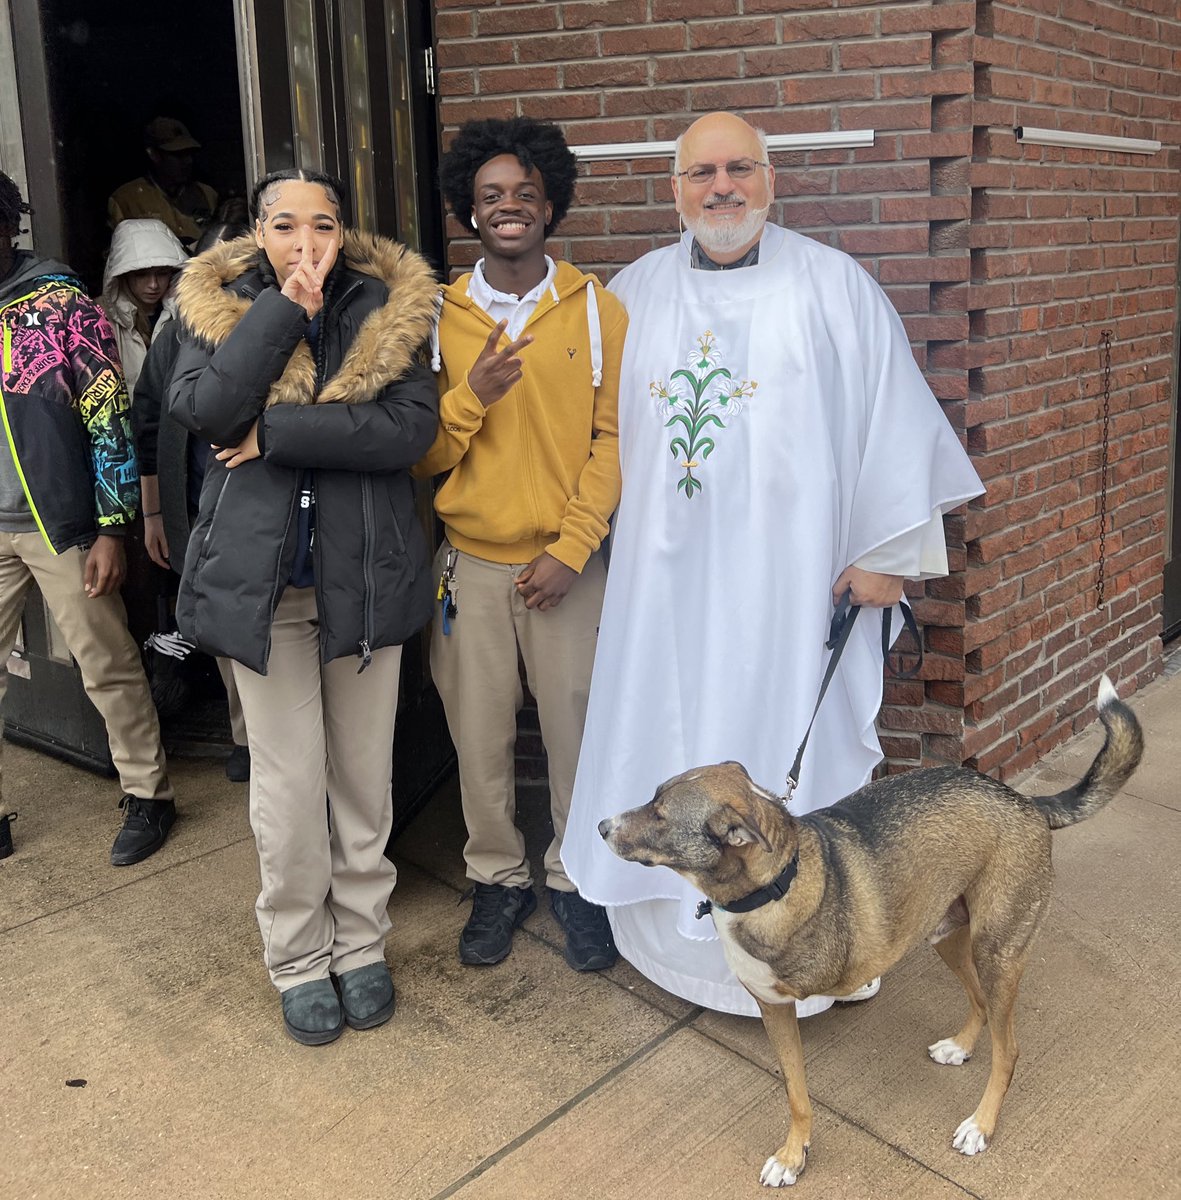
column 69, row 486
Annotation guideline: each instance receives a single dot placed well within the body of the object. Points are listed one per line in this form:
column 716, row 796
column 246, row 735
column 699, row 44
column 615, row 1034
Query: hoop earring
column 474, row 225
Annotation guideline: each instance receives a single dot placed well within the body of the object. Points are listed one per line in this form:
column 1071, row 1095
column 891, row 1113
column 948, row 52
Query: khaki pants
column 225, row 668
column 475, row 669
column 319, row 731
column 96, row 633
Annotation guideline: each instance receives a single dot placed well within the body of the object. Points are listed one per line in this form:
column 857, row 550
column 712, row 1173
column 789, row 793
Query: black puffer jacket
column 243, row 357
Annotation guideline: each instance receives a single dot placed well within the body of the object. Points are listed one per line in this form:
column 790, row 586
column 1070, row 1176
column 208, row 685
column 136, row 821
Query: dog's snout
column 605, row 826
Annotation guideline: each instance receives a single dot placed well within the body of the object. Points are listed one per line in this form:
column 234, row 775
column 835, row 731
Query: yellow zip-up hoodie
column 539, row 468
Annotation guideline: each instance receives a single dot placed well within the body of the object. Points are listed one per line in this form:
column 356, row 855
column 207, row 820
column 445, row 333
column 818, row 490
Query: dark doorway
column 109, row 69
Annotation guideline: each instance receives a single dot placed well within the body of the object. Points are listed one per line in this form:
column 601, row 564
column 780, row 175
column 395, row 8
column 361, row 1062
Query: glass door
column 345, row 86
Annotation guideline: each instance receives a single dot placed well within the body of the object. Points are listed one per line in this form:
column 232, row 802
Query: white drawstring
column 436, row 356
column 596, row 334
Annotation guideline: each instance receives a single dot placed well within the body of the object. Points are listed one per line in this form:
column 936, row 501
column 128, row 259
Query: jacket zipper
column 7, row 348
column 367, row 563
column 277, row 589
column 213, row 515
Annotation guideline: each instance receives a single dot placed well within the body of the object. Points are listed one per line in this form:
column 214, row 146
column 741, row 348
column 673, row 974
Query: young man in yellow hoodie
column 528, row 356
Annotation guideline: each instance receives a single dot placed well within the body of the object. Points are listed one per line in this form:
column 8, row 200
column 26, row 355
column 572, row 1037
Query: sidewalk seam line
column 567, row 1106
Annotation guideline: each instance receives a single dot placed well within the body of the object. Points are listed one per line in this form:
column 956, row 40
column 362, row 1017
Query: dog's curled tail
column 1112, row 768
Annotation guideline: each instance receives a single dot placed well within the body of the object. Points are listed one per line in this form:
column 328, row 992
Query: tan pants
column 96, row 633
column 319, row 731
column 225, row 668
column 475, row 669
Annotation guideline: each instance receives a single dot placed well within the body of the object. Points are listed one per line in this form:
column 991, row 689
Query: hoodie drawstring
column 594, row 329
column 436, row 357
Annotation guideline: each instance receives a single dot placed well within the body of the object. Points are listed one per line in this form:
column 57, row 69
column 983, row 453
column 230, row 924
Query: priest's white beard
column 723, row 235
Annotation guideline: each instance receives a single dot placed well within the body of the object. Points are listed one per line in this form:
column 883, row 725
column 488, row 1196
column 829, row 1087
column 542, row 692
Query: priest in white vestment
column 778, row 445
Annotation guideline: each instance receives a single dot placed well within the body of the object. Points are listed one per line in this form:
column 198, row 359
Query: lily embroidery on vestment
column 696, row 399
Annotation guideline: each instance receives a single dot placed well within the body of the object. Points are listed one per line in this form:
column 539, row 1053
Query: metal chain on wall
column 1105, row 360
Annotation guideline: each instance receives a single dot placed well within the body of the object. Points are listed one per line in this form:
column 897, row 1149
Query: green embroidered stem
column 713, row 390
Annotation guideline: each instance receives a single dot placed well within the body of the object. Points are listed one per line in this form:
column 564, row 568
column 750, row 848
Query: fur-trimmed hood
column 385, row 347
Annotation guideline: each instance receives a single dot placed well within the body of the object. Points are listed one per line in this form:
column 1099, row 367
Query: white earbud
column 474, row 225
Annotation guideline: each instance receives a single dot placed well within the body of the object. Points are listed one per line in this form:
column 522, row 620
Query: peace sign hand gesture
column 305, row 284
column 495, row 371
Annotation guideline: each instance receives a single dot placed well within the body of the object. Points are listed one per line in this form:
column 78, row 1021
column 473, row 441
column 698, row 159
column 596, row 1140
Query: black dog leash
column 838, row 637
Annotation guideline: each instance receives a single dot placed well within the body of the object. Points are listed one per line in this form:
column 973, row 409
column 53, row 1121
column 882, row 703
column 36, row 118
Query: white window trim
column 843, row 139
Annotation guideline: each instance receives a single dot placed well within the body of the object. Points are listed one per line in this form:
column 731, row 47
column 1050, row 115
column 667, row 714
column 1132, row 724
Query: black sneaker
column 6, row 834
column 496, row 911
column 238, row 765
column 589, row 944
column 145, row 827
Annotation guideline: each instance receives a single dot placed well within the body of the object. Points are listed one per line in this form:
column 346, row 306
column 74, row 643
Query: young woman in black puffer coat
column 307, row 566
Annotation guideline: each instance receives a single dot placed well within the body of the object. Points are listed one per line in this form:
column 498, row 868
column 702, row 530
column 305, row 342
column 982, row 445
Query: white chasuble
column 773, row 429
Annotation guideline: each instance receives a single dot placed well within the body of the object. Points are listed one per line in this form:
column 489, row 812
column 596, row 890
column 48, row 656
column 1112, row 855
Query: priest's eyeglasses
column 739, row 169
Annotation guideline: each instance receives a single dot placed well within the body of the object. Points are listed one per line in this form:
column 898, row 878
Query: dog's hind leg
column 956, row 950
column 1000, row 962
column 783, row 1168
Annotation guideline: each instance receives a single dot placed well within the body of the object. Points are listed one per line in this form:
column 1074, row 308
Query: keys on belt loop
column 448, row 590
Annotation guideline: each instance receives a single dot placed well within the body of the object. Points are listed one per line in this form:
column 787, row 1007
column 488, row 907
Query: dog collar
column 775, row 890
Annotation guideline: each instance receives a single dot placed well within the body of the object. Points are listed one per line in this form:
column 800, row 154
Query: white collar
column 484, row 294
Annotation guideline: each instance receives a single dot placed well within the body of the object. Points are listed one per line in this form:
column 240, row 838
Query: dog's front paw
column 970, row 1138
column 949, row 1053
column 776, row 1173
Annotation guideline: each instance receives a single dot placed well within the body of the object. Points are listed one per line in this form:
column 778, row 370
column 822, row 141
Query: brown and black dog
column 942, row 853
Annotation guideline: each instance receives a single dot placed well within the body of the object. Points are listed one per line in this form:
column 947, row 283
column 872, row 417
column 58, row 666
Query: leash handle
column 838, row 636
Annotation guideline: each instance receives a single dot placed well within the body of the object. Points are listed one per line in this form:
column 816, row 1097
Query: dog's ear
column 743, row 830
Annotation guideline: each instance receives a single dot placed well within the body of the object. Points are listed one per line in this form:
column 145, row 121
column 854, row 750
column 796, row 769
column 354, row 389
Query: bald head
column 723, row 184
column 723, row 131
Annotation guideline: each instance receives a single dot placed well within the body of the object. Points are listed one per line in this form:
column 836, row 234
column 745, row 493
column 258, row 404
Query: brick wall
column 914, row 209
column 1067, row 244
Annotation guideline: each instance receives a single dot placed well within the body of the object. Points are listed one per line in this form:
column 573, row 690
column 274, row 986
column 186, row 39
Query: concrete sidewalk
column 527, row 1081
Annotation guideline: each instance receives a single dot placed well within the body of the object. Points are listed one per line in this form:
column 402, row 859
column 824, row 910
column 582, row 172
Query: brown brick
column 654, row 39
column 885, row 52
column 557, row 47
column 605, row 73
column 786, row 60
column 687, row 67
column 521, row 18
column 738, row 97
column 584, row 14
column 725, row 35
column 830, row 27
column 686, row 10
column 515, row 80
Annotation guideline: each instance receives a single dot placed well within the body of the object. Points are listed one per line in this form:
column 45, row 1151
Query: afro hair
column 533, row 143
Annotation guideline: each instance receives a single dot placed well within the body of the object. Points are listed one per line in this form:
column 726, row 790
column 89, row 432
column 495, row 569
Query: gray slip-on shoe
column 312, row 1013
column 367, row 995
